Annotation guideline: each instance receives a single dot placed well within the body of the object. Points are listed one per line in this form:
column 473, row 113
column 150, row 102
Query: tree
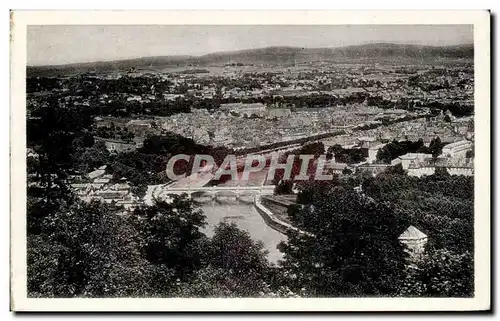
column 441, row 273
column 351, row 247
column 284, row 187
column 233, row 249
column 138, row 168
column 235, row 266
column 86, row 159
column 396, row 170
column 51, row 131
column 384, row 155
column 443, row 206
column 170, row 237
column 85, row 250
column 88, row 250
column 211, row 282
column 316, row 149
column 441, row 173
column 346, row 171
column 336, row 149
column 436, row 147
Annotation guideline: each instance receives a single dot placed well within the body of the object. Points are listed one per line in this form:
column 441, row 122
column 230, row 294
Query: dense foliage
column 350, row 248
column 348, row 155
column 87, row 250
column 396, row 149
column 78, row 249
column 348, row 245
column 93, row 89
column 441, row 206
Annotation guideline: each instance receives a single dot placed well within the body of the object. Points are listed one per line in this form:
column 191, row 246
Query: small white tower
column 415, row 241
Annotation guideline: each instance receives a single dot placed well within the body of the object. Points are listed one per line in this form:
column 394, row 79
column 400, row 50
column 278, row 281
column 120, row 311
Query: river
column 246, row 218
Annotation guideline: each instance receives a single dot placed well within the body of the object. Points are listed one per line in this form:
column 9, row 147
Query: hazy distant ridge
column 272, row 55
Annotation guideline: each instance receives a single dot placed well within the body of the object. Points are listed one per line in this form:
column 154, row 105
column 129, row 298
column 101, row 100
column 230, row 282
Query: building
column 81, row 190
column 278, row 112
column 109, row 196
column 117, row 146
column 336, row 168
column 242, row 109
column 413, row 159
column 372, row 152
column 128, row 204
column 31, row 153
column 118, row 194
column 458, row 149
column 366, row 142
column 172, row 96
column 99, row 183
column 454, row 166
column 97, row 173
column 139, row 127
column 414, row 240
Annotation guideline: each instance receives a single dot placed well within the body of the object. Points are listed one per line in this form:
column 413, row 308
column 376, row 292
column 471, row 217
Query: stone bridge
column 209, row 193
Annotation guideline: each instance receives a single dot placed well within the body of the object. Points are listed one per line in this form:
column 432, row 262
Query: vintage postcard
column 250, row 161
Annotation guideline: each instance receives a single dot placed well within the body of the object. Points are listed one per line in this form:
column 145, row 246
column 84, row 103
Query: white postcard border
column 19, row 22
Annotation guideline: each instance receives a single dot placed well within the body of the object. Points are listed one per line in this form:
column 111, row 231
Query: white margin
column 481, row 22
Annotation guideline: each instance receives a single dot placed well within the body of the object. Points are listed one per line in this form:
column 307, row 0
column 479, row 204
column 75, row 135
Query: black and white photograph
column 253, row 161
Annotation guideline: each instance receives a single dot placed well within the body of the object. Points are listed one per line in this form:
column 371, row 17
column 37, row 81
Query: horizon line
column 237, row 50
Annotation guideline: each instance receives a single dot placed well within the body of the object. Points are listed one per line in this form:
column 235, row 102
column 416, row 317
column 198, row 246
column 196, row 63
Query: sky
column 60, row 44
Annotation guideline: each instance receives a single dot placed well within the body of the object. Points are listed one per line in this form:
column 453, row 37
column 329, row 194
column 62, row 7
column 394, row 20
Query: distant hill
column 274, row 56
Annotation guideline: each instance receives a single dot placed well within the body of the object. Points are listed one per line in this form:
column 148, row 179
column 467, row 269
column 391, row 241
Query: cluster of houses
column 116, row 145
column 457, row 158
column 100, row 186
column 454, row 158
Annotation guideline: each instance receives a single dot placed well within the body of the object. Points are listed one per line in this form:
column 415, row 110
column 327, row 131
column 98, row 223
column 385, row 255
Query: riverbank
column 247, row 218
column 271, row 219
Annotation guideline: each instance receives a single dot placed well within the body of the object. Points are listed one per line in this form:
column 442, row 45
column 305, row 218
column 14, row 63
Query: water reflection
column 246, row 218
